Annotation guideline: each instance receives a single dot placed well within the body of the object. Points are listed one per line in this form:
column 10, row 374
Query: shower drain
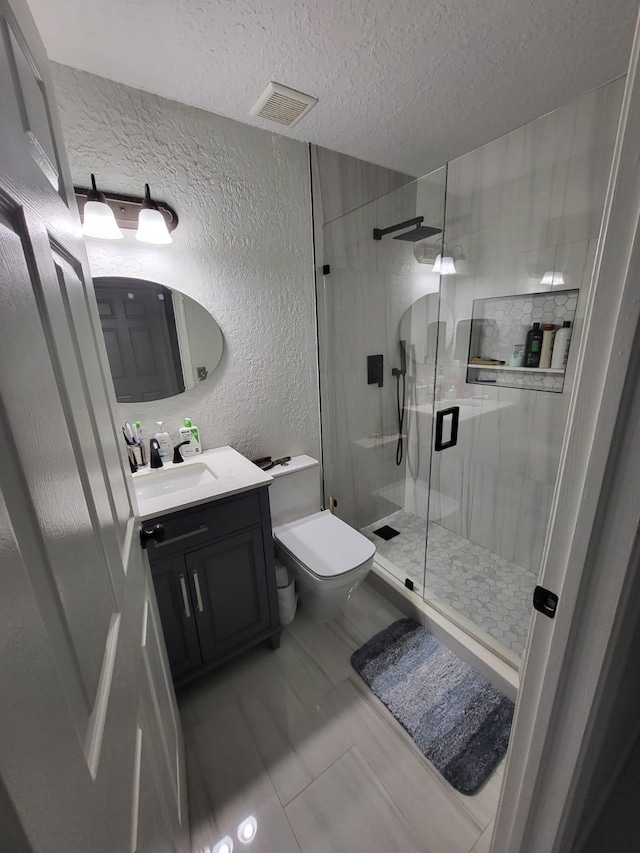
column 386, row 532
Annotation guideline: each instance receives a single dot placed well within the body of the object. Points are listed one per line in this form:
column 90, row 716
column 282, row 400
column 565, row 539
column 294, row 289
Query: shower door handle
column 454, row 411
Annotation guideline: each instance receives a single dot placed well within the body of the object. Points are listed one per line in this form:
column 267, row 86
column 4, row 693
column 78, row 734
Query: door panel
column 87, row 713
column 56, row 485
column 233, row 591
column 32, row 103
column 76, row 297
column 152, row 826
column 162, row 718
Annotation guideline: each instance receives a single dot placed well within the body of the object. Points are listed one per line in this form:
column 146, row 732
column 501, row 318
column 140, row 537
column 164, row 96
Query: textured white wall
column 243, row 249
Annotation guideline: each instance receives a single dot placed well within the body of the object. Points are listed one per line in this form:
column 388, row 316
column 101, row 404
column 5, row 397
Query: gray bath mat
column 457, row 719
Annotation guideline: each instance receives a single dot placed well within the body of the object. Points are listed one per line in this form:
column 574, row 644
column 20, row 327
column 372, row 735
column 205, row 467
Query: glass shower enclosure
column 438, row 444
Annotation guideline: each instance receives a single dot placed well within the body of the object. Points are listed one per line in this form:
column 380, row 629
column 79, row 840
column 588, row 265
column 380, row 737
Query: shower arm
column 379, row 233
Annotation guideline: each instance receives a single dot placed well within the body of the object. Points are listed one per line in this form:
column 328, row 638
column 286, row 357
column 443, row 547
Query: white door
column 91, row 756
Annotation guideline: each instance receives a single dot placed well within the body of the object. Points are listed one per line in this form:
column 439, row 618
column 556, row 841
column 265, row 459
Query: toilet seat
column 325, row 545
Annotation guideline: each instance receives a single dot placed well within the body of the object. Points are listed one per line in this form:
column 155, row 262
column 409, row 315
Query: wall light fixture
column 99, row 220
column 444, row 264
column 104, row 213
column 152, row 226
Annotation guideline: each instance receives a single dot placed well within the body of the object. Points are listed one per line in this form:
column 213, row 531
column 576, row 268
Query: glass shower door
column 522, row 223
column 376, row 370
column 463, row 525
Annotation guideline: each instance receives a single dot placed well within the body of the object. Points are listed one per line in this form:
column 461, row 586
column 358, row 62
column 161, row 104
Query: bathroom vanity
column 211, row 557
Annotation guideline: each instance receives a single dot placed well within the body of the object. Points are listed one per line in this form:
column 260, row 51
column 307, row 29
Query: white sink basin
column 160, row 482
column 213, row 474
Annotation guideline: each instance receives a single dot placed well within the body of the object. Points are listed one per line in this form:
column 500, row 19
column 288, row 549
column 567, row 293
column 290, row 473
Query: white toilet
column 328, row 558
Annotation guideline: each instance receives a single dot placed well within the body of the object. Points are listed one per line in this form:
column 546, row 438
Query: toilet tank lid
column 296, row 463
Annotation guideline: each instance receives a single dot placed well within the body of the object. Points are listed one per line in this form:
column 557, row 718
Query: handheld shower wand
column 401, row 373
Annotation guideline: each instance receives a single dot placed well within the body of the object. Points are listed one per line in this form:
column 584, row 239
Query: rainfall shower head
column 420, row 232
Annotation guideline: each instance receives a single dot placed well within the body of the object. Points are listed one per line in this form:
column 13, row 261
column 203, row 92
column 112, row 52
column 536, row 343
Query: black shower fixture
column 400, row 373
column 420, row 232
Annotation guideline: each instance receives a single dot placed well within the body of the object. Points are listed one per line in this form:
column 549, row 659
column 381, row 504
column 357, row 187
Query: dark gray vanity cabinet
column 214, row 578
column 232, row 596
column 177, row 615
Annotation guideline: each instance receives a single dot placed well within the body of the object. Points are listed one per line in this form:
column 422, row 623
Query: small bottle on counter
column 547, row 345
column 165, row 447
column 533, row 346
column 189, row 432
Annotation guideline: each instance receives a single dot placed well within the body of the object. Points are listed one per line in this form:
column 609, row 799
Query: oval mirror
column 426, row 325
column 159, row 341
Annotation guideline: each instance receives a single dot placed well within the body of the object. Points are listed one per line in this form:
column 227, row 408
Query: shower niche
column 499, row 323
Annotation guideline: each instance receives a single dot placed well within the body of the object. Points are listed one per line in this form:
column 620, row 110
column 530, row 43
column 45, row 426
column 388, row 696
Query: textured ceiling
column 407, row 84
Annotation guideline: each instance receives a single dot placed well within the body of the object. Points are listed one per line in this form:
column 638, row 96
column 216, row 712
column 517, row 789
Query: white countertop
column 232, row 473
column 470, row 407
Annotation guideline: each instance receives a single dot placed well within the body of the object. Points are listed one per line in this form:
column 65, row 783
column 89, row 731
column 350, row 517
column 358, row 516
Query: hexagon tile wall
column 500, row 322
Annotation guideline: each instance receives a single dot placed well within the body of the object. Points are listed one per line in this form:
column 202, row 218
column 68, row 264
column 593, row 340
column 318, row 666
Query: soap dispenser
column 189, row 432
column 164, row 442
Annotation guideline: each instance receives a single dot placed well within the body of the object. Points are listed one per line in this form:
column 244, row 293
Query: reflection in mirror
column 427, row 325
column 159, row 341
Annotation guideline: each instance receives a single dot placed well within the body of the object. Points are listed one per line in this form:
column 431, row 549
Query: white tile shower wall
column 243, row 249
column 343, row 183
column 522, row 205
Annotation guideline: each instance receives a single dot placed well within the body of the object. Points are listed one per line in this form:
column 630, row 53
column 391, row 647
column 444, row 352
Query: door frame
column 572, row 664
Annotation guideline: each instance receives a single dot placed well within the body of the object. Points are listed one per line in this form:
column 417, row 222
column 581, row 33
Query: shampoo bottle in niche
column 561, row 346
column 547, row 346
column 190, row 433
column 533, row 346
column 164, row 442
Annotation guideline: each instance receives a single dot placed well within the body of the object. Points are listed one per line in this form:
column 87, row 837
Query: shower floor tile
column 489, row 590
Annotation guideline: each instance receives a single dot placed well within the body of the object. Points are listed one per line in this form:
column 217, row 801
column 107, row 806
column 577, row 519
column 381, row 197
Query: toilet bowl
column 328, row 558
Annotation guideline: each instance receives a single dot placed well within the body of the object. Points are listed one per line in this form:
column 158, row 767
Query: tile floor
column 491, row 591
column 295, row 738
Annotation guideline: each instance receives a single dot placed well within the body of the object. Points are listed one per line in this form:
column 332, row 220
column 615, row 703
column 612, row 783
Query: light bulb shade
column 152, row 227
column 553, row 278
column 460, row 260
column 447, row 266
column 437, row 265
column 99, row 221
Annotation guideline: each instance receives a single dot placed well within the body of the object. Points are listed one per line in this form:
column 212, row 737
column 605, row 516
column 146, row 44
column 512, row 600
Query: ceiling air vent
column 283, row 105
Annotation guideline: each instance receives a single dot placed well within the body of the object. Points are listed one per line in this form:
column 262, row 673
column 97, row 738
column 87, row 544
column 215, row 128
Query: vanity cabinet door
column 229, row 586
column 177, row 614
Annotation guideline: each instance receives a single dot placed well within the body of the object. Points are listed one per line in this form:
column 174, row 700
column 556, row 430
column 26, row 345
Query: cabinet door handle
column 185, row 597
column 202, row 529
column 196, row 583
